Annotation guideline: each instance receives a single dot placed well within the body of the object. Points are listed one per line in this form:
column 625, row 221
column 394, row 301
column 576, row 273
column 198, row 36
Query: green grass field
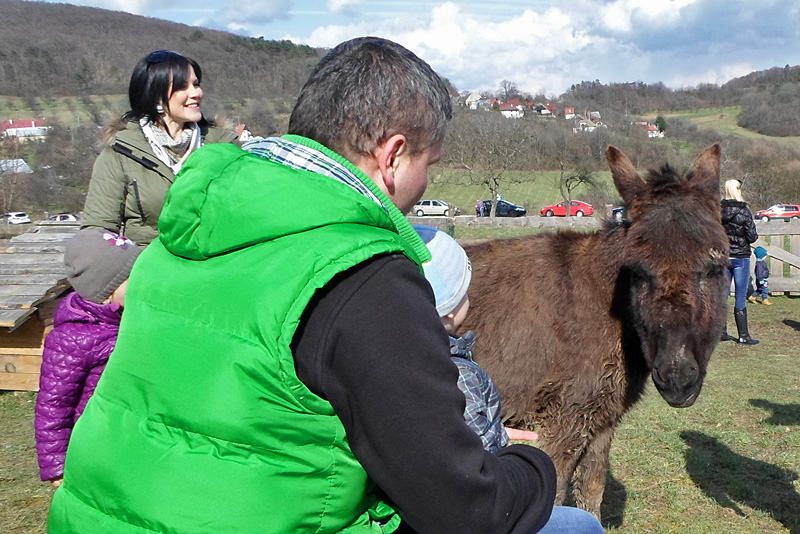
column 70, row 110
column 729, row 463
column 722, row 120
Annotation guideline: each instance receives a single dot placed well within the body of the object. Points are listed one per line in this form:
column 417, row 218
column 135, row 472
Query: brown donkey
column 571, row 324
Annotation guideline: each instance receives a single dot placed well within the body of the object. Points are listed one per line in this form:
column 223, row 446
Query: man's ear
column 388, row 159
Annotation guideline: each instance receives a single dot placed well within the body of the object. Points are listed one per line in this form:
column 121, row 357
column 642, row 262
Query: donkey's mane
column 666, row 178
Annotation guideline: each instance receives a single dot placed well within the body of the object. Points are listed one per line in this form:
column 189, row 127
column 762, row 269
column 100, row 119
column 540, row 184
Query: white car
column 17, row 217
column 432, row 207
column 64, row 217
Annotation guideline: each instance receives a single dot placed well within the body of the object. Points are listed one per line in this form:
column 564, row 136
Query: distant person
column 480, row 209
column 283, row 374
column 148, row 146
column 761, row 272
column 449, row 272
column 741, row 229
column 84, row 332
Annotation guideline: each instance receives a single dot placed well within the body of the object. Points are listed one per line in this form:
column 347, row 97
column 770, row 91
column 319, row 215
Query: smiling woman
column 148, row 146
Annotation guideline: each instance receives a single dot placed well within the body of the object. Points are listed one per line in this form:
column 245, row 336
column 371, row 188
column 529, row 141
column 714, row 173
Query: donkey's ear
column 627, row 180
column 705, row 173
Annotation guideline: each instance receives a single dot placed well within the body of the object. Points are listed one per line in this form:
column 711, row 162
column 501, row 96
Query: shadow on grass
column 782, row 414
column 612, row 509
column 733, row 480
column 792, row 324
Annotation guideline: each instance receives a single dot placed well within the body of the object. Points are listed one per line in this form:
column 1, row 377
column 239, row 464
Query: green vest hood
column 230, row 199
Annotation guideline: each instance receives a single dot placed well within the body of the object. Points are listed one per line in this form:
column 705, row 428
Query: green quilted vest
column 199, row 423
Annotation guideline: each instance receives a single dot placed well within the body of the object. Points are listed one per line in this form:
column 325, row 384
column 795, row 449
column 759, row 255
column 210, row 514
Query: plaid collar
column 300, row 153
column 302, row 157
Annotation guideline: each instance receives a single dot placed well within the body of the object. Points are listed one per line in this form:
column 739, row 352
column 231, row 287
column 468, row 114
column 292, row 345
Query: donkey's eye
column 641, row 275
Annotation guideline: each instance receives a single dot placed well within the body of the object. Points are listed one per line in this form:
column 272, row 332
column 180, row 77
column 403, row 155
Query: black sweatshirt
column 372, row 344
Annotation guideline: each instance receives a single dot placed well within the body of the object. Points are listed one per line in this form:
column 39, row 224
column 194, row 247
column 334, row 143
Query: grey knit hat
column 98, row 261
column 449, row 272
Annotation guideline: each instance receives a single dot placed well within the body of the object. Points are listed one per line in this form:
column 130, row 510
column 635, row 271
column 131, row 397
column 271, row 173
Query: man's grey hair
column 364, row 91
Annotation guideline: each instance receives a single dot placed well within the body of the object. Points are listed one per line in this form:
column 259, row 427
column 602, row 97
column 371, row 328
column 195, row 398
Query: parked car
column 779, row 211
column 619, row 213
column 17, row 217
column 577, row 209
column 504, row 209
column 432, row 207
column 64, row 217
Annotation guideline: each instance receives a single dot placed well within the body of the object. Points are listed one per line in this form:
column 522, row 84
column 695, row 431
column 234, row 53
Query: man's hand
column 521, row 435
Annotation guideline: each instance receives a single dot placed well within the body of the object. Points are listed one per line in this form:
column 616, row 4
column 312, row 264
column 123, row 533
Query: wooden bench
column 32, row 283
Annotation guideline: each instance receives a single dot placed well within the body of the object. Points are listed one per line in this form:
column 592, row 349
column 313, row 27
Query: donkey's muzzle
column 678, row 378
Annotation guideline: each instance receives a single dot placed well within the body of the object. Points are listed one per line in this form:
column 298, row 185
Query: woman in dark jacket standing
column 148, row 146
column 741, row 229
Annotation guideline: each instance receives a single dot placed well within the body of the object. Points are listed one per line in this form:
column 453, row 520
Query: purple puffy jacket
column 75, row 354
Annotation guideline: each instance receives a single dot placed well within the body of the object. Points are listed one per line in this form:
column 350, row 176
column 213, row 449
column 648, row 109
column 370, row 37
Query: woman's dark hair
column 154, row 79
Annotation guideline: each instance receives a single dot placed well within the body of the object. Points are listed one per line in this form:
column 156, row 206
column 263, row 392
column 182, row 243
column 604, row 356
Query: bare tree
column 568, row 182
column 508, row 90
column 487, row 145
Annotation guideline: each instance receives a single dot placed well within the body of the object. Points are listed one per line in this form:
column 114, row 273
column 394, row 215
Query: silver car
column 432, row 207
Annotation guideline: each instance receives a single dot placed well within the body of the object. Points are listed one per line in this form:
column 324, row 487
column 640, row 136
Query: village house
column 651, row 130
column 510, row 111
column 12, row 166
column 472, row 100
column 25, row 129
column 587, row 123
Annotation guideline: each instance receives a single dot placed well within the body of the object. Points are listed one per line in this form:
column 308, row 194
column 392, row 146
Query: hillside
column 49, row 51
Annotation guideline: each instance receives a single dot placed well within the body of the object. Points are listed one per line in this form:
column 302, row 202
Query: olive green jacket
column 129, row 184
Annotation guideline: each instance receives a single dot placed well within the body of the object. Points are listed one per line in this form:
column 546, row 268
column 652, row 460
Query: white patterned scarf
column 171, row 152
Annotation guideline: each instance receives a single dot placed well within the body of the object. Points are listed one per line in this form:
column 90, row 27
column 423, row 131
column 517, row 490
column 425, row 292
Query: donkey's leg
column 565, row 466
column 590, row 473
column 565, row 449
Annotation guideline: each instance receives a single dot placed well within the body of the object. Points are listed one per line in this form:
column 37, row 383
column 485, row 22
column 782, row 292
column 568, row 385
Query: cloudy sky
column 541, row 45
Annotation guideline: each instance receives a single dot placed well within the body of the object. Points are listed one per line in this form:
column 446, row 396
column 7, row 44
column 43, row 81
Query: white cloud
column 344, row 6
column 622, row 15
column 244, row 14
column 474, row 53
column 548, row 45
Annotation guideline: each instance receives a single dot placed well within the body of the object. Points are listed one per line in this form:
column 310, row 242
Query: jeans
column 762, row 288
column 740, row 271
column 568, row 520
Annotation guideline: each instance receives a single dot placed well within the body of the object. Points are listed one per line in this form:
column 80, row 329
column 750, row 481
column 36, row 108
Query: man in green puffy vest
column 283, row 369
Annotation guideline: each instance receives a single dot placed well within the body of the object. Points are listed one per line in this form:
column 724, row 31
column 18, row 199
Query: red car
column 577, row 209
column 779, row 211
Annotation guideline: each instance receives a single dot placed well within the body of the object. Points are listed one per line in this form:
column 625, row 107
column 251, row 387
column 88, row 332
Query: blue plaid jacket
column 482, row 411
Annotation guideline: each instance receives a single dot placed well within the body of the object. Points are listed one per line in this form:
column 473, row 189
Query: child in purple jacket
column 84, row 333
